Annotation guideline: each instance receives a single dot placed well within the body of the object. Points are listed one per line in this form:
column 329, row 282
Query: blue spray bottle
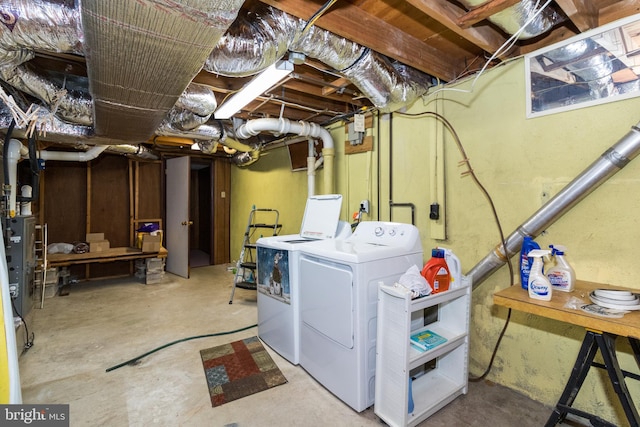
column 528, row 244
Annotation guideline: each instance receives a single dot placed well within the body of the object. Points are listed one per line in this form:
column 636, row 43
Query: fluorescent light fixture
column 256, row 87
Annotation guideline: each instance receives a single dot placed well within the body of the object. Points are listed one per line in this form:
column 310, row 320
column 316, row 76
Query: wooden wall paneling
column 63, row 204
column 205, row 208
column 133, row 170
column 194, row 212
column 150, row 195
column 221, row 212
column 109, row 212
column 64, row 208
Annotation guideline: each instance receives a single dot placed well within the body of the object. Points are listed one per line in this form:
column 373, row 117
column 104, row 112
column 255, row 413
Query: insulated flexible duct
column 263, row 35
column 44, row 26
column 609, row 163
column 513, row 18
column 594, row 69
column 166, row 41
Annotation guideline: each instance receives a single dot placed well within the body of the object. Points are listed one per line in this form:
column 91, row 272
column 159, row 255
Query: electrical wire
column 465, row 161
column 28, row 341
column 508, row 44
column 317, row 15
column 216, row 334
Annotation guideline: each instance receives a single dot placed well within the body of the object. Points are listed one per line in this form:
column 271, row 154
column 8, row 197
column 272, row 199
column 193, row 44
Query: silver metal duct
column 68, row 101
column 513, row 18
column 142, row 54
column 193, row 109
column 262, row 36
column 609, row 163
column 256, row 39
column 48, row 27
column 595, row 70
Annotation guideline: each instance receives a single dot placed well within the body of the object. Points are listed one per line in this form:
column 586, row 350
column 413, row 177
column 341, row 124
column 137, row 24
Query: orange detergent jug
column 436, row 271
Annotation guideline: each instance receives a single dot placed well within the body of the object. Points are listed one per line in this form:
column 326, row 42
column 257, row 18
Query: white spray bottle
column 561, row 276
column 539, row 285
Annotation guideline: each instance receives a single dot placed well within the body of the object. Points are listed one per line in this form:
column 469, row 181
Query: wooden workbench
column 517, row 298
column 109, row 255
column 601, row 333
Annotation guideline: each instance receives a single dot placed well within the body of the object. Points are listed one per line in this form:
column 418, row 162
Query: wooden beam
column 583, row 13
column 349, row 21
column 312, row 89
column 484, row 11
column 447, row 14
column 619, row 10
column 342, row 81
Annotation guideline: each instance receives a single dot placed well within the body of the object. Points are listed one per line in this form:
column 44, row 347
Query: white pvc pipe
column 284, row 126
column 25, row 208
column 12, row 164
column 71, row 156
column 15, row 392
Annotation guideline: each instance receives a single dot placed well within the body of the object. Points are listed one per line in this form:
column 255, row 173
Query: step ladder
column 245, row 274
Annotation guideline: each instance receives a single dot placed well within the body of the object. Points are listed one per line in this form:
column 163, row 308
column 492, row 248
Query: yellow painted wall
column 517, row 160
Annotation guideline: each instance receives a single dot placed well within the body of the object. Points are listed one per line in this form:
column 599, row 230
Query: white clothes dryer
column 338, row 304
column 277, row 274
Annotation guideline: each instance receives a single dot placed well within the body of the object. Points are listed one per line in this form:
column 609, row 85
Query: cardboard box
column 99, row 246
column 140, row 235
column 94, row 237
column 97, row 242
column 151, row 243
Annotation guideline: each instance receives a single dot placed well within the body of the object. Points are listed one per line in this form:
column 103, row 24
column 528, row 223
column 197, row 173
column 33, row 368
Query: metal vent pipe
column 607, row 165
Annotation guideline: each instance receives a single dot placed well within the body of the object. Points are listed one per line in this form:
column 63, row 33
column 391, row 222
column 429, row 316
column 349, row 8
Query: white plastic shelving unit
column 440, row 374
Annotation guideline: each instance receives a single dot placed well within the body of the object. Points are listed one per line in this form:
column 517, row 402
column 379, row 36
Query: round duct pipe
column 609, row 163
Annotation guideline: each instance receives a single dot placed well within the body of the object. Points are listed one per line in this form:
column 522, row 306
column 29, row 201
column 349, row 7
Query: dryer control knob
column 392, row 232
column 379, row 231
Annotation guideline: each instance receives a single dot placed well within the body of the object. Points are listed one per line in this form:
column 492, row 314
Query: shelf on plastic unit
column 439, row 298
column 426, row 402
column 417, row 357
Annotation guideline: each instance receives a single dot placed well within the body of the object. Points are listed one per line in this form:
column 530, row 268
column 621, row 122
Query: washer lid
column 321, row 216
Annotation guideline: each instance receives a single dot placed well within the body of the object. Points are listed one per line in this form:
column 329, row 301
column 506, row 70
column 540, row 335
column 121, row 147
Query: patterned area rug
column 239, row 369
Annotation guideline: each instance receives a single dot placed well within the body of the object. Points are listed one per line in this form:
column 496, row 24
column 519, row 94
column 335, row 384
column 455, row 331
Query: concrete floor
column 101, row 324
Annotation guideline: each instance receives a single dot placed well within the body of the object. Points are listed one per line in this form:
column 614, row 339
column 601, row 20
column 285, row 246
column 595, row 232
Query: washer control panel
column 386, row 234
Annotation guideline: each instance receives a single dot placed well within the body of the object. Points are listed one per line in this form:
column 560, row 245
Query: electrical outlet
column 364, row 206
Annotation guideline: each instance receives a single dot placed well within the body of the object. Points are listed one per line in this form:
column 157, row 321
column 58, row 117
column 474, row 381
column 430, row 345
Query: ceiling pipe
column 13, row 156
column 285, row 126
column 609, row 163
column 73, row 156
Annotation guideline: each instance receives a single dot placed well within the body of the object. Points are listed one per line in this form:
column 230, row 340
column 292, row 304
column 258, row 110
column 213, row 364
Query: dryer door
column 326, row 298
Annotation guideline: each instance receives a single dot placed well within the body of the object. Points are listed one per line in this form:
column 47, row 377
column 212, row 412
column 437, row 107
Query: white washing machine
column 277, row 274
column 338, row 304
